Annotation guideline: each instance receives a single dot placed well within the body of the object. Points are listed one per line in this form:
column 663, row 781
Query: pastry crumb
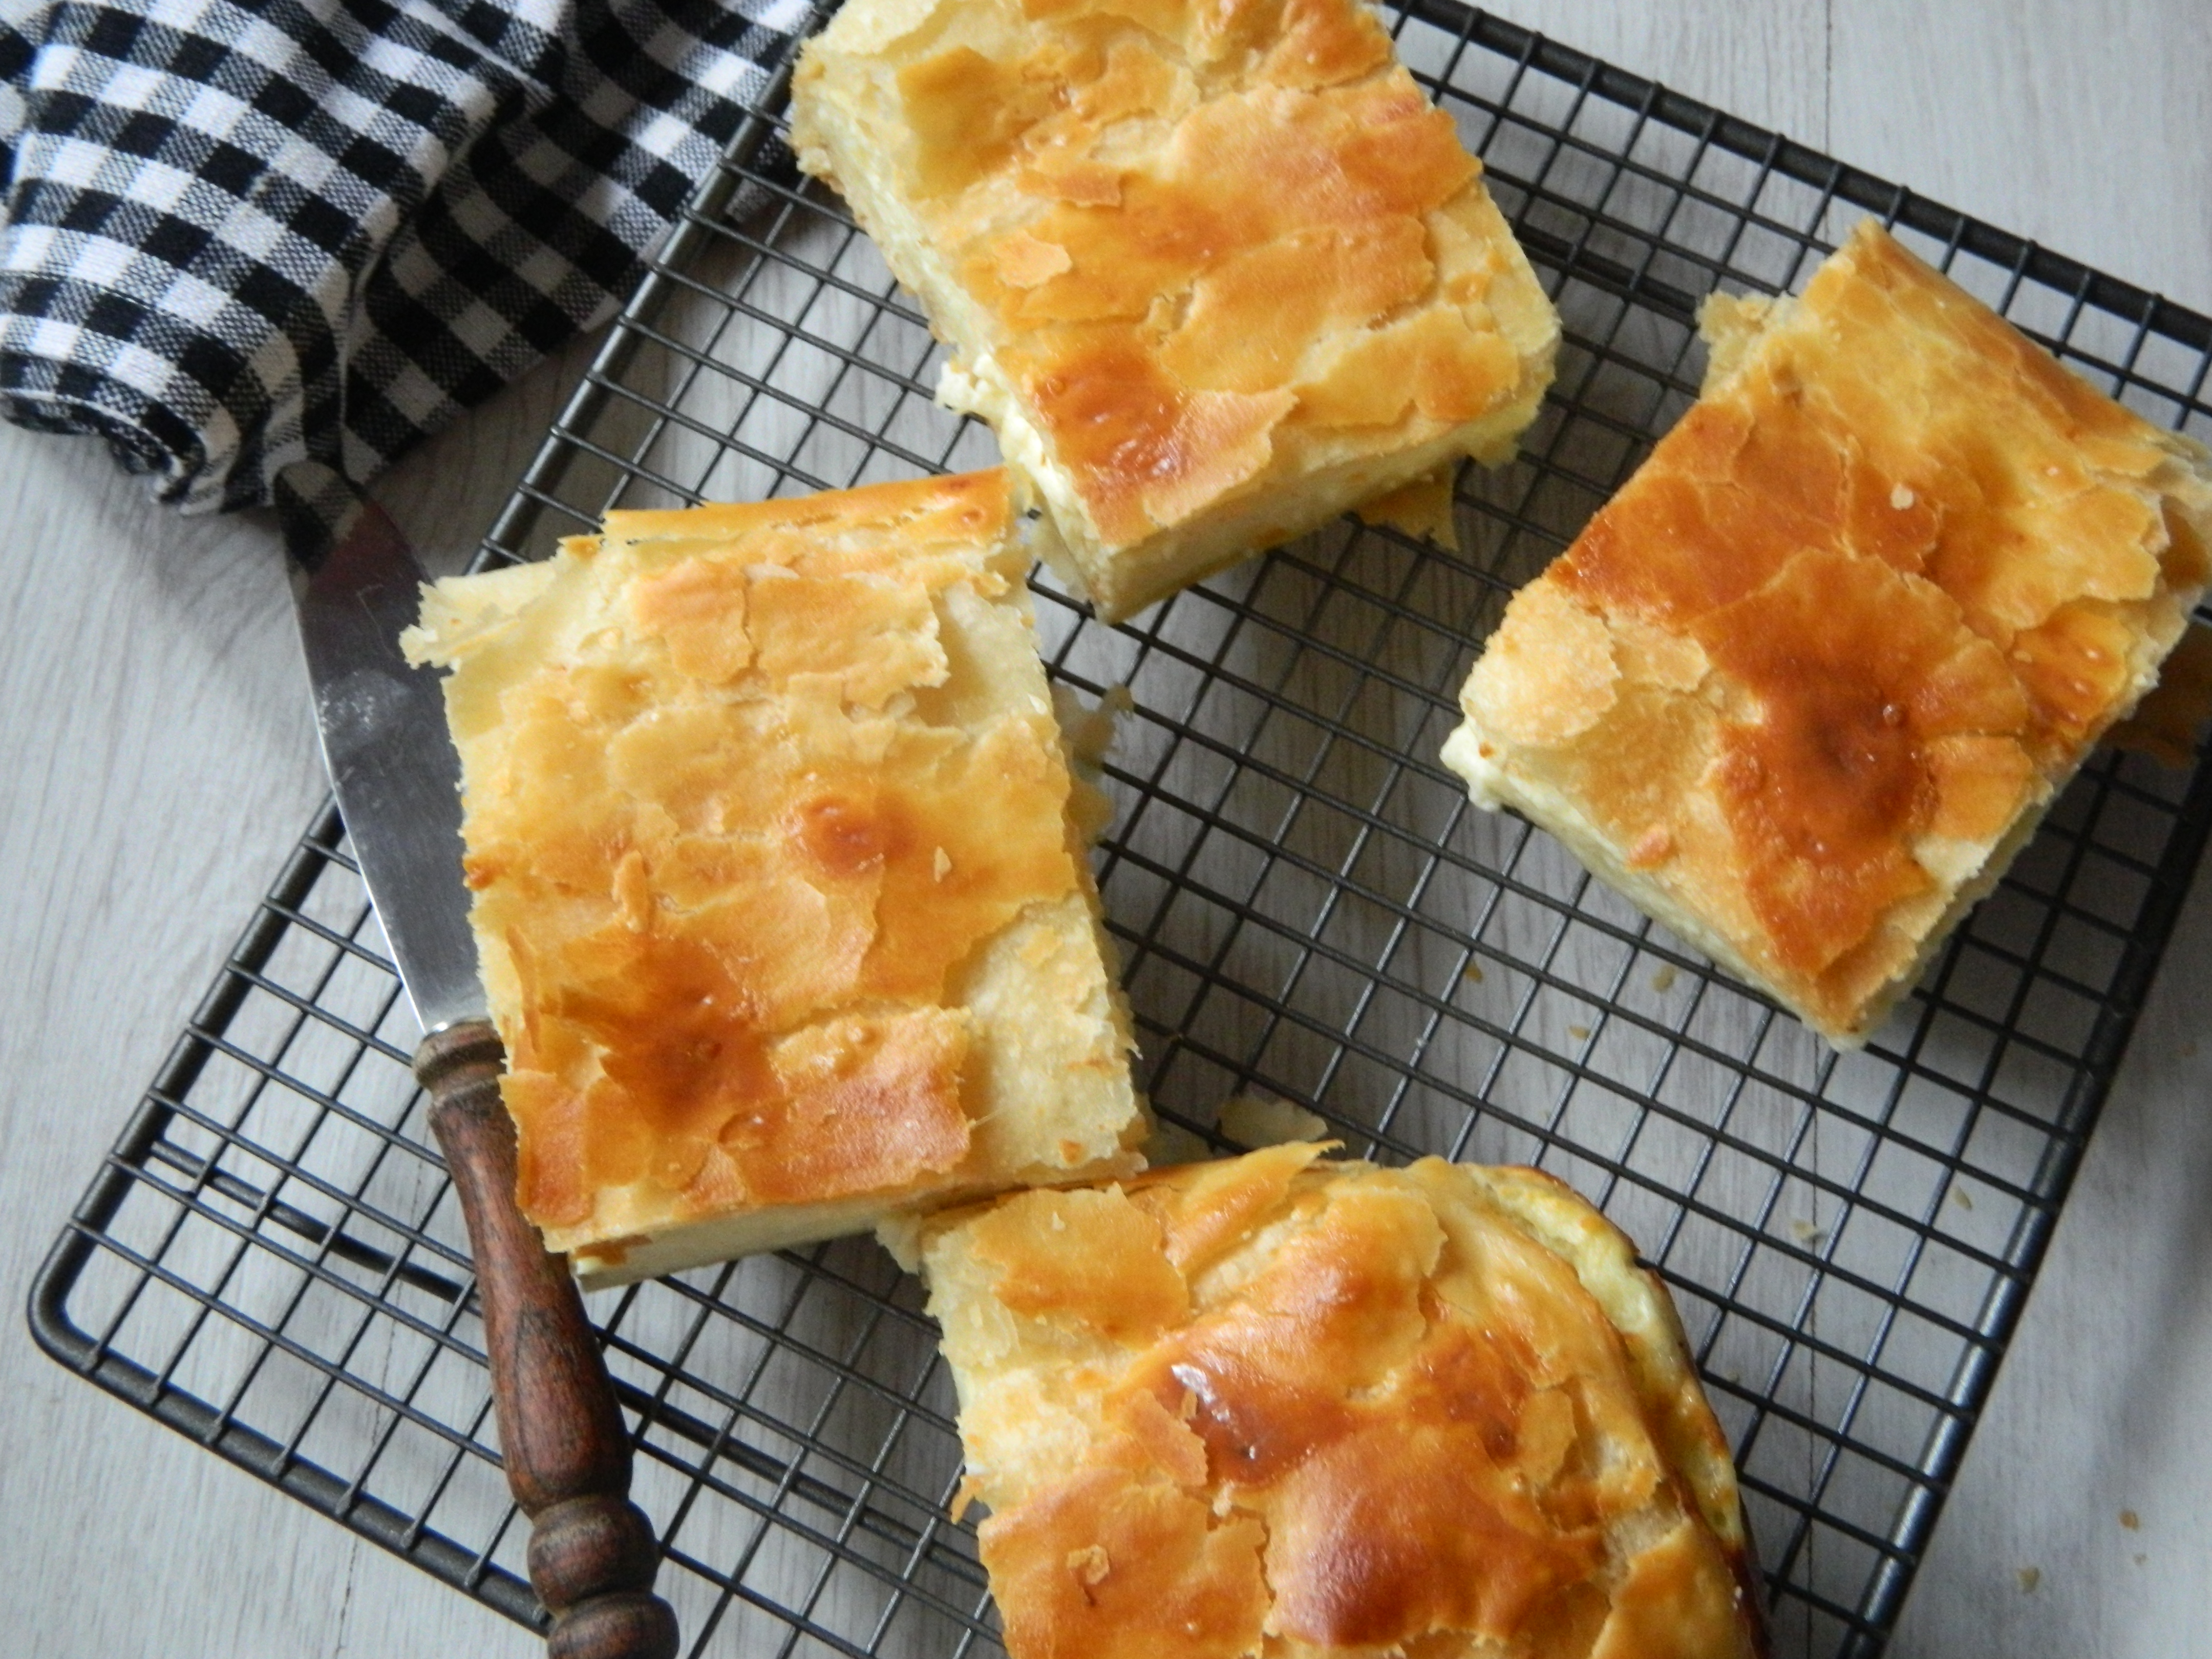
column 1090, row 1565
column 1171, row 1142
column 969, row 1489
column 2131, row 1520
column 1663, row 981
column 2029, row 1578
column 1263, row 1121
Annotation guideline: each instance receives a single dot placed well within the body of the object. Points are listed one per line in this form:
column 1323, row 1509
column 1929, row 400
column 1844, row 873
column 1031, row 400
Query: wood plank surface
column 159, row 759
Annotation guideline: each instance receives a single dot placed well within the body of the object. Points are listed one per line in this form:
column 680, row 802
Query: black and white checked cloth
column 242, row 238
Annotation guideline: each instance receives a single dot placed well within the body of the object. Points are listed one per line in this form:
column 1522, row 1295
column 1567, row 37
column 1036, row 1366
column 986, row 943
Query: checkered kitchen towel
column 242, row 238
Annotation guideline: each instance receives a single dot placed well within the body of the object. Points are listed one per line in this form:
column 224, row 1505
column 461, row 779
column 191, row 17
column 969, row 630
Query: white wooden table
column 158, row 758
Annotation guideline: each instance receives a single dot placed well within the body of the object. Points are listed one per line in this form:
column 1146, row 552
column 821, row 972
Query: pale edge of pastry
column 1328, row 1330
column 895, row 93
column 2159, row 482
column 704, row 760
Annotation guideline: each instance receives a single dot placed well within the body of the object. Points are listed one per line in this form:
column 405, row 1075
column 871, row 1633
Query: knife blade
column 592, row 1555
column 397, row 780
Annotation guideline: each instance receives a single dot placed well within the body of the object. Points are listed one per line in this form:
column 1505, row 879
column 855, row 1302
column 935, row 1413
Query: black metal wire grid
column 271, row 1260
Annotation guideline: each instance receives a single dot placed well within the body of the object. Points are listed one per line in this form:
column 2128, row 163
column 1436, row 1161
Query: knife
column 593, row 1556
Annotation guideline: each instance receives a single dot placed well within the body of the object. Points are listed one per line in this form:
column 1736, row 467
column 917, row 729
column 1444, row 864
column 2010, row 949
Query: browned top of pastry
column 1345, row 1408
column 733, row 819
column 1191, row 231
column 1873, row 596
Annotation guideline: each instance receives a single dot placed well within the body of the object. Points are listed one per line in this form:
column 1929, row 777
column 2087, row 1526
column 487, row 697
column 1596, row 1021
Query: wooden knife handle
column 592, row 1552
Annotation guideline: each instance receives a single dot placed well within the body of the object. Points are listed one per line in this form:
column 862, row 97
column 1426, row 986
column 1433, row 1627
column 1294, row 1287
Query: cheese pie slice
column 1214, row 272
column 1285, row 1407
column 780, row 890
column 1808, row 684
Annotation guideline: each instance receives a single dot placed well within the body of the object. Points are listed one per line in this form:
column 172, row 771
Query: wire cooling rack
column 271, row 1263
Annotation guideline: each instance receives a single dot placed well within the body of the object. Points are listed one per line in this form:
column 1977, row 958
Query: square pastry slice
column 1807, row 685
column 782, row 903
column 1214, row 269
column 1287, row 1406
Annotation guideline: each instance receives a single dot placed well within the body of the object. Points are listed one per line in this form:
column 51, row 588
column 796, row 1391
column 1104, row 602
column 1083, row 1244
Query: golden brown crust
column 736, row 845
column 1362, row 1410
column 1797, row 687
column 1202, row 250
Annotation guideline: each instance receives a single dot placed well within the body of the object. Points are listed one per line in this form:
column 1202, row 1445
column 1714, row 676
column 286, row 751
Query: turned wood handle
column 592, row 1552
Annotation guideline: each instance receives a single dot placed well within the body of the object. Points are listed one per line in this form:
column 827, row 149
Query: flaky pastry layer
column 1284, row 1406
column 1213, row 272
column 1806, row 685
column 782, row 912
